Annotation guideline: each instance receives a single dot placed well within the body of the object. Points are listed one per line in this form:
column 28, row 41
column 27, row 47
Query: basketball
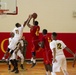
column 34, row 15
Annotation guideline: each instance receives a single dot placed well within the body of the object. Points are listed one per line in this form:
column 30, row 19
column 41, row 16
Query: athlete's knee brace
column 11, row 52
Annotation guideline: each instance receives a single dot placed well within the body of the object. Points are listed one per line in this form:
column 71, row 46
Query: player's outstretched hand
column 54, row 60
column 30, row 16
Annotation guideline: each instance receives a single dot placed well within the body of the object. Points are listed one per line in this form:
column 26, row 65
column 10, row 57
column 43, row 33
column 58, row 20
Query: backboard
column 9, row 7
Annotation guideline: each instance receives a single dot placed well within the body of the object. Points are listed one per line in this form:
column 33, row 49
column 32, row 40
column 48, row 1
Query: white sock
column 34, row 61
column 53, row 73
column 31, row 59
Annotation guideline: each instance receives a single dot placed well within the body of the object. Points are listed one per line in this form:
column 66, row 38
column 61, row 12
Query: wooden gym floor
column 37, row 70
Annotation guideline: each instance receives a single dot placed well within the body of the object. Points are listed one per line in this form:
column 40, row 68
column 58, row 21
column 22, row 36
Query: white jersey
column 58, row 45
column 10, row 39
column 18, row 32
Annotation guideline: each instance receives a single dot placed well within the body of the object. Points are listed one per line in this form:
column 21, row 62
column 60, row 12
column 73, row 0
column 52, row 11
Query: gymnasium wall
column 54, row 15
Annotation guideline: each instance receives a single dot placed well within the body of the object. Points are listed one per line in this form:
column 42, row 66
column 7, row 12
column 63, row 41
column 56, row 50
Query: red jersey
column 35, row 32
column 35, row 38
column 47, row 54
column 46, row 39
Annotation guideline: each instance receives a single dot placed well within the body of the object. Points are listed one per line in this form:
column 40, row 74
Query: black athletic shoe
column 13, row 70
column 33, row 65
column 17, row 71
column 21, row 66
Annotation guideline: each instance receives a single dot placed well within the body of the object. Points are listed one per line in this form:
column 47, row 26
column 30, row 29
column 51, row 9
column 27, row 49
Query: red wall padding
column 68, row 38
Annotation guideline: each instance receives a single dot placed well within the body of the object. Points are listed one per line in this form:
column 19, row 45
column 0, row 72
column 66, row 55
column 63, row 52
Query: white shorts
column 13, row 43
column 20, row 54
column 14, row 56
column 61, row 63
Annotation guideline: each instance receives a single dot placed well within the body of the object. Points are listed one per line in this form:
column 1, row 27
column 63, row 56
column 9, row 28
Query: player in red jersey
column 47, row 54
column 34, row 31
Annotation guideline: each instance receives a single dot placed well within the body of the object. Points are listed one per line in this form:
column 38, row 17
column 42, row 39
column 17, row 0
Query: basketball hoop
column 3, row 11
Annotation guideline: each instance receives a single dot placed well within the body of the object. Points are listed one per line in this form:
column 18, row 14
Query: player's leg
column 47, row 62
column 24, row 51
column 22, row 58
column 36, row 48
column 33, row 59
column 11, row 46
column 46, row 68
column 53, row 72
column 16, row 66
column 56, row 65
column 64, row 66
column 14, row 63
column 6, row 53
column 9, row 64
column 49, row 67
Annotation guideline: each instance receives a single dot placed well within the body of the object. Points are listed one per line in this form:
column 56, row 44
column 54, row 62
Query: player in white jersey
column 9, row 40
column 14, row 55
column 59, row 59
column 19, row 54
column 18, row 32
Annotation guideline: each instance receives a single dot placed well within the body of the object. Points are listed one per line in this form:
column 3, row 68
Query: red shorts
column 35, row 45
column 47, row 57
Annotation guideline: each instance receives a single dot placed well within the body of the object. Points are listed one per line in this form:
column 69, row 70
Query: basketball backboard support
column 9, row 7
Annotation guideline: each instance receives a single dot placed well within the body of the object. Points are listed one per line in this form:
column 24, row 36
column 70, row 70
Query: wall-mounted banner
column 68, row 38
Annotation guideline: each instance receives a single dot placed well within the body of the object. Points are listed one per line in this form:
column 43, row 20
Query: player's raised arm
column 28, row 21
column 74, row 55
column 25, row 23
column 70, row 51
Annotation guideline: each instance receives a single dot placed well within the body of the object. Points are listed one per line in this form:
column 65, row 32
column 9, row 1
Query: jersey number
column 17, row 32
column 37, row 32
column 59, row 46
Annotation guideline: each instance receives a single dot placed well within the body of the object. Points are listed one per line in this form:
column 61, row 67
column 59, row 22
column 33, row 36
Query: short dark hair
column 44, row 31
column 17, row 24
column 36, row 23
column 54, row 34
